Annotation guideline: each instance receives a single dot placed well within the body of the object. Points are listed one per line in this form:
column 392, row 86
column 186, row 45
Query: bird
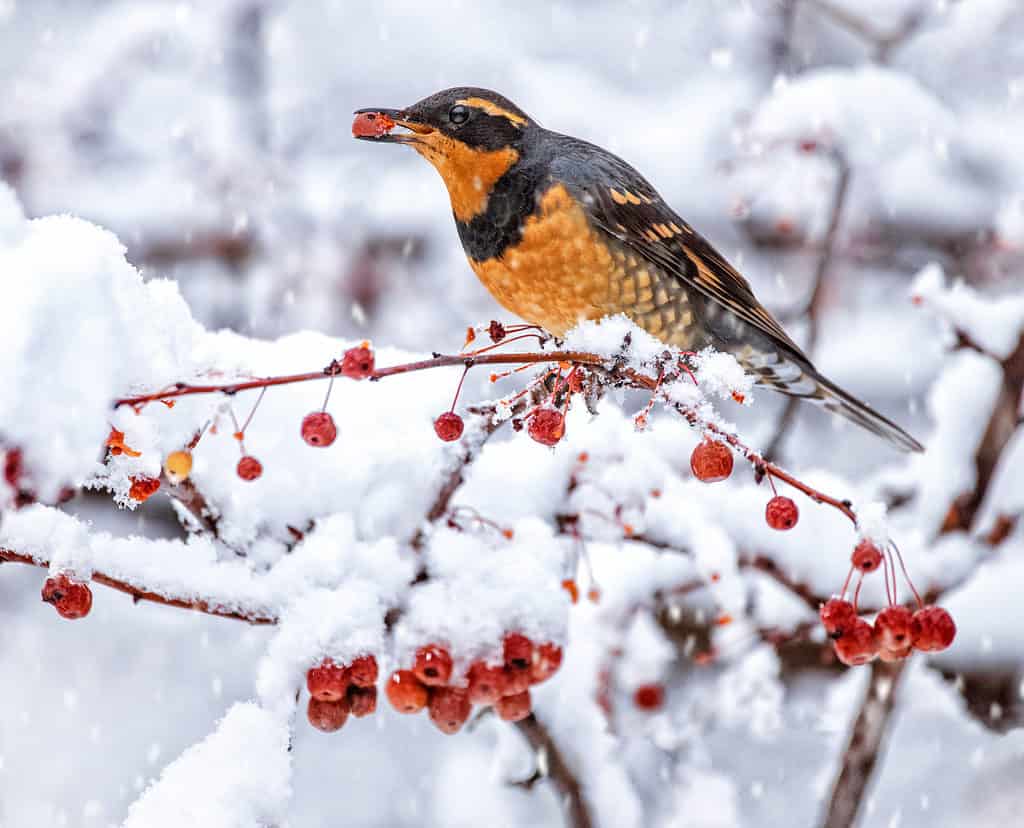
column 560, row 230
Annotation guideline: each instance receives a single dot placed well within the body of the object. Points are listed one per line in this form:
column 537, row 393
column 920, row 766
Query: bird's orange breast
column 563, row 271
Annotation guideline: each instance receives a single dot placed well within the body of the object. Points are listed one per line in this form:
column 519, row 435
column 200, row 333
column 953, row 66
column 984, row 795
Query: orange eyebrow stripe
column 493, row 109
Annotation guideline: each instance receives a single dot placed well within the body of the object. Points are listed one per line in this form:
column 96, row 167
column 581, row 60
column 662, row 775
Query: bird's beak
column 388, row 120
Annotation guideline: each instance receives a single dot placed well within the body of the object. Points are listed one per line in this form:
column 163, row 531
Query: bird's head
column 472, row 137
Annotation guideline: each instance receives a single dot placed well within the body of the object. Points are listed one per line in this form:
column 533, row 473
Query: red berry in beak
column 318, row 429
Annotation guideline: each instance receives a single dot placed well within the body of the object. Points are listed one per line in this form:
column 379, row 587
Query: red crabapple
column 781, row 513
column 249, row 468
column 71, row 599
column 486, row 683
column 866, row 556
column 327, row 681
column 449, row 426
column 433, row 665
column 649, row 697
column 362, row 672
column 893, row 628
column 837, row 616
column 328, row 716
column 142, row 487
column 514, row 708
column 318, row 429
column 357, row 363
column 857, row 644
column 449, row 708
column 406, row 693
column 547, row 426
column 547, row 658
column 711, row 461
column 363, row 700
column 933, row 629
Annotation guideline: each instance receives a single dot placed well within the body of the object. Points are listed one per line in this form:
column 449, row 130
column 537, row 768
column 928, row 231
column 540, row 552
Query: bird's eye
column 458, row 115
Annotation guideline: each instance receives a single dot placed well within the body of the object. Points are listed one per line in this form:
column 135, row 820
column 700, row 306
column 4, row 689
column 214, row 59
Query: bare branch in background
column 577, row 813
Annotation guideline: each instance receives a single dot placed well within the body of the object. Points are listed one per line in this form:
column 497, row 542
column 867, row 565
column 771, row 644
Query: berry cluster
column 71, row 599
column 711, row 461
column 897, row 631
column 338, row 690
column 507, row 686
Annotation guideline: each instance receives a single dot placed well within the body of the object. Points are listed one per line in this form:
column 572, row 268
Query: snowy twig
column 814, row 302
column 139, row 594
column 865, row 744
column 883, row 42
column 557, row 771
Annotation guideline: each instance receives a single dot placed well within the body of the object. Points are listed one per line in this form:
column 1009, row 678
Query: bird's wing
column 620, row 202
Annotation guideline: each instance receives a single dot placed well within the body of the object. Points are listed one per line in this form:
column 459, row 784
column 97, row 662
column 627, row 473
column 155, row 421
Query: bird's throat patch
column 469, row 174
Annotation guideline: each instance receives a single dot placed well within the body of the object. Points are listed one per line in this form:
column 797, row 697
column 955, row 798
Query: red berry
column 857, row 644
column 711, row 461
column 449, row 426
column 514, row 708
column 318, row 429
column 371, row 125
column 449, row 708
column 249, row 468
column 933, row 629
column 327, row 681
column 357, row 363
column 518, row 651
column 547, row 658
column 781, row 513
column 486, row 684
column 71, row 599
column 406, row 693
column 547, row 426
column 363, row 700
column 838, row 616
column 142, row 487
column 893, row 628
column 649, row 697
column 433, row 665
column 363, row 671
column 327, row 716
column 866, row 556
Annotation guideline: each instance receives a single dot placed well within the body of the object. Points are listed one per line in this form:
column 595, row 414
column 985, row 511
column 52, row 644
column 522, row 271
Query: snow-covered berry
column 362, row 672
column 327, row 681
column 866, row 556
column 547, row 426
column 142, row 487
column 933, row 629
column 71, row 599
column 781, row 513
column 433, row 665
column 711, row 461
column 449, row 708
column 318, row 429
column 249, row 468
column 449, row 426
column 407, row 693
column 514, row 708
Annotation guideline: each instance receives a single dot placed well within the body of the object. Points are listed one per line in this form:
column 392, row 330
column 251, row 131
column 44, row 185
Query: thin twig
column 140, row 594
column 558, row 771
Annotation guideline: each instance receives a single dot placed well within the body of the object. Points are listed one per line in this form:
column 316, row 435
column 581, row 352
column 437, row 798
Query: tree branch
column 564, row 780
column 140, row 594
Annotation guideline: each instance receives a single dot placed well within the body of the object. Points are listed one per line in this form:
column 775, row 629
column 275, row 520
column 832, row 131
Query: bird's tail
column 802, row 380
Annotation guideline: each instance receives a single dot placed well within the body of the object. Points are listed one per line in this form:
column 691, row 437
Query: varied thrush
column 560, row 230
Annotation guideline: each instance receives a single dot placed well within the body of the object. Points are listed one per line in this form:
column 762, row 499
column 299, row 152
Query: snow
column 238, row 776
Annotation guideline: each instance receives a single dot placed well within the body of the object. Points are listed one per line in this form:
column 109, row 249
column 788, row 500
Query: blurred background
column 829, row 149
